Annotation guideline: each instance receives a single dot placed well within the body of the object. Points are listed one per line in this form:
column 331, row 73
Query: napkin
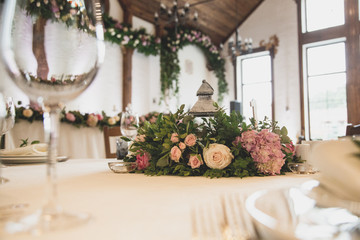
column 339, row 168
column 39, row 149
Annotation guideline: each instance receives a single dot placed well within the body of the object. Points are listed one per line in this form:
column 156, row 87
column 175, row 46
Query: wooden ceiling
column 216, row 18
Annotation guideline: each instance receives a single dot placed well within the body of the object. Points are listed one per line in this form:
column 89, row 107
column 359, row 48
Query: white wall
column 279, row 17
column 106, row 92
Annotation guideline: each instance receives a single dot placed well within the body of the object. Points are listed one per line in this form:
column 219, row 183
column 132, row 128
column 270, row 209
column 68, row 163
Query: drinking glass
column 129, row 121
column 7, row 120
column 52, row 50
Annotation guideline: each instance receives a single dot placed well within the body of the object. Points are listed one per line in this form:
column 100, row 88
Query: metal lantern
column 204, row 107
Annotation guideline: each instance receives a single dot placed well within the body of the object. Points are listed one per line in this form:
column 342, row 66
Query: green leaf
column 24, row 142
column 284, row 131
column 163, row 161
column 166, row 146
column 35, row 142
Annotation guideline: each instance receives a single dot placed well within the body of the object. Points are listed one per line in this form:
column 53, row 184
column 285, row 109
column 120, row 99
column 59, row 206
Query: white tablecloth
column 126, row 206
column 85, row 142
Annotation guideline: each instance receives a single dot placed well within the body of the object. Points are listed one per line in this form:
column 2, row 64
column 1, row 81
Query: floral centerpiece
column 222, row 146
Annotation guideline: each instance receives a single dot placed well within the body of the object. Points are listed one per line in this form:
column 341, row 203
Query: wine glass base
column 40, row 222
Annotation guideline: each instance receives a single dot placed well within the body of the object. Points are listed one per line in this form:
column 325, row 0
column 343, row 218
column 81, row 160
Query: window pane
column 326, row 59
column 322, row 14
column 327, row 106
column 257, row 69
column 261, row 92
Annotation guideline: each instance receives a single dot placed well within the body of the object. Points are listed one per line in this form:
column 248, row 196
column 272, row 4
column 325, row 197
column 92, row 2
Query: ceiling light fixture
column 175, row 14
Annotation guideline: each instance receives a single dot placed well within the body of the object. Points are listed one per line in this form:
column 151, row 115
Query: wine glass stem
column 51, row 130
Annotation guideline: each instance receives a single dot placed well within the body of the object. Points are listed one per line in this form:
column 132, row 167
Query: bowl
column 302, row 168
column 122, row 167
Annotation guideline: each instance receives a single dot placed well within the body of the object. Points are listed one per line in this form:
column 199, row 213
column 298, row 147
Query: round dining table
column 123, row 205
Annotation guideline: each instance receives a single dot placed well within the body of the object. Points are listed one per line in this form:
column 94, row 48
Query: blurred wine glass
column 7, row 120
column 52, row 50
column 129, row 121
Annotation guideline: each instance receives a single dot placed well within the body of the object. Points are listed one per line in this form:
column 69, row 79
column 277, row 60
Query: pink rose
column 92, row 120
column 99, row 117
column 142, row 160
column 190, row 140
column 142, row 119
column 152, row 119
column 195, row 161
column 182, row 146
column 175, row 154
column 70, row 117
column 289, row 148
column 174, row 138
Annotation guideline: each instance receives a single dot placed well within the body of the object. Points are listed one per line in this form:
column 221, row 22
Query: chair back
column 352, row 130
column 110, row 135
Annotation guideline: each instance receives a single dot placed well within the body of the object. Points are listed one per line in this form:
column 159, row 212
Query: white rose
column 217, row 156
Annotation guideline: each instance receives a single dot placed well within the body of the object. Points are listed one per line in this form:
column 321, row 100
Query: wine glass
column 129, row 121
column 7, row 120
column 52, row 51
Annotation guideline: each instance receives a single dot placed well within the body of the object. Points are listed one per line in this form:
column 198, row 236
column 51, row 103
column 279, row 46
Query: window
column 326, row 84
column 254, row 76
column 321, row 14
column 329, row 54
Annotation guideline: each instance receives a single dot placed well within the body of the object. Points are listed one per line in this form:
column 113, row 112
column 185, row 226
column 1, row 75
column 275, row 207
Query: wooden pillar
column 127, row 77
column 353, row 69
column 127, row 58
column 39, row 48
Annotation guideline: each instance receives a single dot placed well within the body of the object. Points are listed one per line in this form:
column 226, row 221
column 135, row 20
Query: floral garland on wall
column 33, row 113
column 124, row 35
column 222, row 146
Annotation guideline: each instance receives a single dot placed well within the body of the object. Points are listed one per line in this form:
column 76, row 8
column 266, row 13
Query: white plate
column 28, row 159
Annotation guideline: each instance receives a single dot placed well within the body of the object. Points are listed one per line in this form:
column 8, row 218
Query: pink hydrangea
column 265, row 149
column 142, row 160
column 248, row 140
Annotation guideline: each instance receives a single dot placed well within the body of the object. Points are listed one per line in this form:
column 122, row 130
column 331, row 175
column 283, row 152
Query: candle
column 253, row 106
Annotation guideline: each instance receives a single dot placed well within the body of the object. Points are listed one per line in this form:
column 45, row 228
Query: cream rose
column 27, row 113
column 175, row 154
column 190, row 140
column 111, row 121
column 217, row 156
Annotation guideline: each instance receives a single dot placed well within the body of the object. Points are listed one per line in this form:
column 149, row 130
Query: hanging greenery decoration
column 169, row 61
column 125, row 36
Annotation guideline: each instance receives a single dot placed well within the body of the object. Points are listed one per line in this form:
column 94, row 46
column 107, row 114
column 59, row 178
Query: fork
column 236, row 221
